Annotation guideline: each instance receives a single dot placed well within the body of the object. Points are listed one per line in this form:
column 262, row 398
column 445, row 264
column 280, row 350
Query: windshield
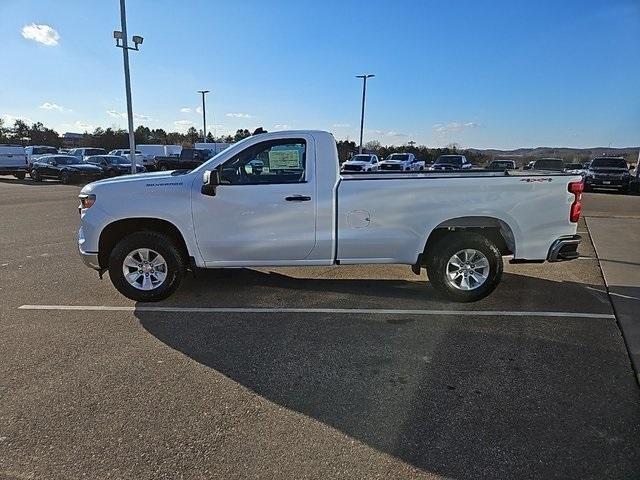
column 360, row 158
column 549, row 164
column 94, row 151
column 68, row 160
column 44, row 150
column 399, row 156
column 449, row 159
column 573, row 166
column 501, row 164
column 117, row 160
column 608, row 163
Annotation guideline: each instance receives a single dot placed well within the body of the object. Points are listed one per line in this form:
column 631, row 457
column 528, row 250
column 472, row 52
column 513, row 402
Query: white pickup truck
column 147, row 230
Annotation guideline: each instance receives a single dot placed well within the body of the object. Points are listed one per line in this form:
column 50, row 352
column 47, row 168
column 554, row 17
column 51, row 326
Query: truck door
column 264, row 210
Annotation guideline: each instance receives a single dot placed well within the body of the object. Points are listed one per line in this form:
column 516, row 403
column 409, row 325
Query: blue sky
column 479, row 73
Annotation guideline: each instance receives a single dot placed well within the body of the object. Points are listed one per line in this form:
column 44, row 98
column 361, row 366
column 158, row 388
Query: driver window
column 271, row 162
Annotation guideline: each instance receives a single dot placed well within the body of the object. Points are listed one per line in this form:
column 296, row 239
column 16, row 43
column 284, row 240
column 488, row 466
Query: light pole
column 204, row 116
column 364, row 94
column 137, row 40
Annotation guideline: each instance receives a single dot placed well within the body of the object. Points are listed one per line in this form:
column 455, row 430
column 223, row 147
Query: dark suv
column 607, row 172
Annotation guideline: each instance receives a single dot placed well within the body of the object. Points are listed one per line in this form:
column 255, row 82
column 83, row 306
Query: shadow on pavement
column 465, row 397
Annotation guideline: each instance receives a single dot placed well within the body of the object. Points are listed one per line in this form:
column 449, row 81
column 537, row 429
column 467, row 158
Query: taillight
column 576, row 207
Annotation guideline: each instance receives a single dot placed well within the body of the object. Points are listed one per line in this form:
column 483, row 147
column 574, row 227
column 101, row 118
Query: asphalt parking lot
column 532, row 382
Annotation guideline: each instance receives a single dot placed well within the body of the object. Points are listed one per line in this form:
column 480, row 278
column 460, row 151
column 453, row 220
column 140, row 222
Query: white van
column 13, row 161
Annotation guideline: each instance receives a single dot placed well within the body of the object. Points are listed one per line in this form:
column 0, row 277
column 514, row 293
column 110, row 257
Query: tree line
column 21, row 133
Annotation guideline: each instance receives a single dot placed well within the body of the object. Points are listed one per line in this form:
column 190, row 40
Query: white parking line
column 340, row 311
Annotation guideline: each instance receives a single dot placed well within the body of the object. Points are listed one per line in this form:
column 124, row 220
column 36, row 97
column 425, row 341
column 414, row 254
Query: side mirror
column 210, row 181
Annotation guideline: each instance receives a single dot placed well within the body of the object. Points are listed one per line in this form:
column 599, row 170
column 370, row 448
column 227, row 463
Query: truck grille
column 352, row 168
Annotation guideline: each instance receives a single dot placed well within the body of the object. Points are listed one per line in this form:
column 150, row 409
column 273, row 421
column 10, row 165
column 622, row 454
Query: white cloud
column 116, row 114
column 385, row 133
column 239, row 115
column 453, row 127
column 340, row 125
column 198, row 109
column 43, row 34
column 185, row 110
column 282, row 126
column 396, row 134
column 183, row 124
column 53, row 106
column 10, row 119
column 84, row 126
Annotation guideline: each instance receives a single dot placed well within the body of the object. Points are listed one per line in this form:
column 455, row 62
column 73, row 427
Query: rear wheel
column 146, row 266
column 21, row 175
column 65, row 178
column 464, row 266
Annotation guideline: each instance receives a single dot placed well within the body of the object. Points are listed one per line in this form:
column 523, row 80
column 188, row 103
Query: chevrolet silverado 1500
column 147, row 230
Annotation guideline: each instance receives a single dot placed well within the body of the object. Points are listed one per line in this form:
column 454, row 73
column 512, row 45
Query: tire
column 456, row 243
column 163, row 168
column 20, row 176
column 35, row 175
column 65, row 178
column 158, row 243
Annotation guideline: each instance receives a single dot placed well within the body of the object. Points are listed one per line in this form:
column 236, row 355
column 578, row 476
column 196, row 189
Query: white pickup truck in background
column 148, row 229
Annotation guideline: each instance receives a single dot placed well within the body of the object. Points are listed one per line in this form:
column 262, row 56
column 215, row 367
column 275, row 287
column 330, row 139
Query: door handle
column 297, row 198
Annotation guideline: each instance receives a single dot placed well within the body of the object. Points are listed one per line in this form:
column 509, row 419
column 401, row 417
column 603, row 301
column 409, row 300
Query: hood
column 356, row 162
column 142, row 180
column 83, row 167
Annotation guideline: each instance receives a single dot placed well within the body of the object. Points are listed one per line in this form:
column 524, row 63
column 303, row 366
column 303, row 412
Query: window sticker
column 284, row 160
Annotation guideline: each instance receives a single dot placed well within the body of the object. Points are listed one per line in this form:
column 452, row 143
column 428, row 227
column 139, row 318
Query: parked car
column 34, row 152
column 451, row 162
column 189, row 158
column 502, row 165
column 363, row 162
column 401, row 161
column 66, row 168
column 113, row 165
column 13, row 161
column 550, row 164
column 147, row 230
column 139, row 157
column 607, row 172
column 85, row 152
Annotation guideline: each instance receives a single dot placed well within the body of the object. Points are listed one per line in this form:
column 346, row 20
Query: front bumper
column 564, row 248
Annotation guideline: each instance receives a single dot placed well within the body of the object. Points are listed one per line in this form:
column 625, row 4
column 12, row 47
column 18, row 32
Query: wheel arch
column 494, row 229
column 117, row 230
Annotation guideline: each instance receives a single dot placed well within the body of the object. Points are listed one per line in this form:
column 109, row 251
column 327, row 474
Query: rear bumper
column 564, row 248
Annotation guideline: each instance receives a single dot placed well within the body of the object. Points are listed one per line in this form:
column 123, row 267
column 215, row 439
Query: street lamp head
column 117, row 35
column 137, row 40
column 368, row 75
column 203, row 91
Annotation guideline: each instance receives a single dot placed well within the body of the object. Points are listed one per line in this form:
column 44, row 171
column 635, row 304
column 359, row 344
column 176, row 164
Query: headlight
column 87, row 201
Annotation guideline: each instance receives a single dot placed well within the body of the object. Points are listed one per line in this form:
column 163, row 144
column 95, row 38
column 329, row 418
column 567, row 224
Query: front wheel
column 464, row 266
column 65, row 178
column 35, row 175
column 146, row 266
